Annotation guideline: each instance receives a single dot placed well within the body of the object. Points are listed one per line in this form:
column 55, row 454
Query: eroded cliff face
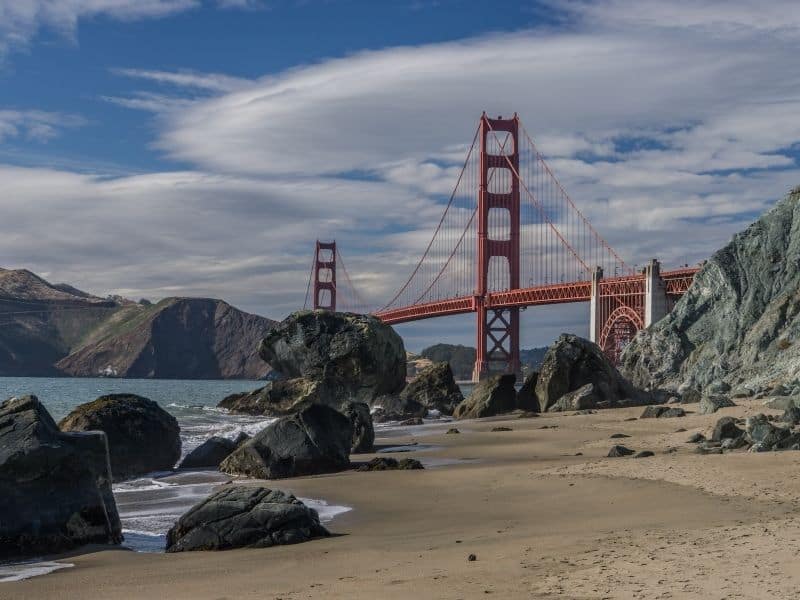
column 740, row 320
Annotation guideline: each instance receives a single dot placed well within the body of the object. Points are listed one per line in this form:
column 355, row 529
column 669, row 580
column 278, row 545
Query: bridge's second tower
column 325, row 276
column 498, row 245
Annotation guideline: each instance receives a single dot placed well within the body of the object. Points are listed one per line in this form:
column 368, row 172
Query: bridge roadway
column 676, row 282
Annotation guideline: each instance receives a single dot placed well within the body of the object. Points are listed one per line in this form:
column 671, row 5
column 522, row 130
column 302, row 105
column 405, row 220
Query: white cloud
column 211, row 82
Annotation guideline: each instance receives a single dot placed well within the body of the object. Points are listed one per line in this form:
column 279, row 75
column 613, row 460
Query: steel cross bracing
column 511, row 237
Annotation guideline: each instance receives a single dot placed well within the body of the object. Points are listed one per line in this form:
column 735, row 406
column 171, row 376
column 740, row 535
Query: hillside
column 51, row 330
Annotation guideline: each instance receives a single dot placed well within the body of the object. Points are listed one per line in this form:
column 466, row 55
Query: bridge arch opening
column 618, row 331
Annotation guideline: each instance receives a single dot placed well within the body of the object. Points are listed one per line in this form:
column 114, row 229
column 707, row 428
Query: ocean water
column 192, row 402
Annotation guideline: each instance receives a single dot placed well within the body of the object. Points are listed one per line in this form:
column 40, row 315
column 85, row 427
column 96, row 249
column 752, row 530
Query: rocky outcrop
column 739, row 322
column 764, row 436
column 358, row 357
column 55, row 488
column 492, row 396
column 212, row 452
column 526, row 396
column 245, row 517
column 142, row 436
column 315, row 440
column 435, row 389
column 726, row 428
column 572, row 363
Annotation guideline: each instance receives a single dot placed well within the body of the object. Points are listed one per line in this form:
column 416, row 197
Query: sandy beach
column 541, row 521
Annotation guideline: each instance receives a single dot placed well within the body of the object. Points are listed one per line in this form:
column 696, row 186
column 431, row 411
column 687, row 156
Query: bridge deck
column 677, row 282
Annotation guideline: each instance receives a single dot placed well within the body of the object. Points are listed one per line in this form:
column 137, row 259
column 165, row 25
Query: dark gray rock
column 618, row 436
column 278, row 398
column 764, row 435
column 573, row 362
column 315, row 440
column 526, row 396
column 584, row 398
column 492, row 396
column 245, row 517
column 662, row 412
column 357, row 356
column 209, row 454
column 385, row 463
column 791, row 415
column 619, row 451
column 55, row 488
column 363, row 430
column 392, row 407
column 434, row 388
column 726, row 429
column 644, row 454
column 738, row 321
column 711, row 404
column 142, row 436
column 452, row 430
column 696, row 438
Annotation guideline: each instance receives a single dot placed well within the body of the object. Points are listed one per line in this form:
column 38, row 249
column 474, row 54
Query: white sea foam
column 26, row 570
column 143, row 484
column 327, row 512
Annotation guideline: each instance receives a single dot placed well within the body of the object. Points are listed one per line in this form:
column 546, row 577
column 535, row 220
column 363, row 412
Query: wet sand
column 542, row 522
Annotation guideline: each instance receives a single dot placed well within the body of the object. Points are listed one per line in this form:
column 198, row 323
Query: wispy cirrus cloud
column 22, row 20
column 35, row 125
column 210, row 82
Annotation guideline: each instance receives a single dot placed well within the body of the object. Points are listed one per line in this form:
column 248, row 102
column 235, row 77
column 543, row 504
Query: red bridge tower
column 325, row 276
column 498, row 328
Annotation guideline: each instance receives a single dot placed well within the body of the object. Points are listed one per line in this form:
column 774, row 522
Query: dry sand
column 542, row 522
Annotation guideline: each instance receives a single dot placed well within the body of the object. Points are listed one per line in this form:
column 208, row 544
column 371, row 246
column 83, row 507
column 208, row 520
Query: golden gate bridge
column 511, row 237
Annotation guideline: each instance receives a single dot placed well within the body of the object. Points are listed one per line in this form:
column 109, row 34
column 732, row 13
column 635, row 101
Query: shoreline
column 542, row 522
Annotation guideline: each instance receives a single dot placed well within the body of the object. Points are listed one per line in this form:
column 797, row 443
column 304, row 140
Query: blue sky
column 186, row 147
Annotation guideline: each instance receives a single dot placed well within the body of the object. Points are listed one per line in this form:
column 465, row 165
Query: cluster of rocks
column 761, row 433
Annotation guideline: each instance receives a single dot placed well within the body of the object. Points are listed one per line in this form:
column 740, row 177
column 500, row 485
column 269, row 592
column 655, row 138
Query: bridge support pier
column 595, row 318
column 655, row 294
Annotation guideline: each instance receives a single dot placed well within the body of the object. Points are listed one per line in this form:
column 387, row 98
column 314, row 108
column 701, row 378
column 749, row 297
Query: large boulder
column 573, row 362
column 142, row 436
column 359, row 357
column 526, row 396
column 739, row 320
column 245, row 517
column 315, row 440
column 209, row 454
column 492, row 396
column 55, row 488
column 726, row 429
column 434, row 388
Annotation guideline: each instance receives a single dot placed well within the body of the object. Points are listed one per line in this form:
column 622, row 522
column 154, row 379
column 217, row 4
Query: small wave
column 144, row 541
column 28, row 569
